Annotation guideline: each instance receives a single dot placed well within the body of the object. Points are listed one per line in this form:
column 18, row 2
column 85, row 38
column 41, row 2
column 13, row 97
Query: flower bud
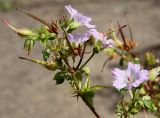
column 150, row 58
column 74, row 25
column 154, row 73
column 110, row 52
column 96, row 49
column 117, row 42
column 23, row 32
column 51, row 65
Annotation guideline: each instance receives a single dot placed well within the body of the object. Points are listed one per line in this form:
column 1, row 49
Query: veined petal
column 95, row 33
column 119, row 84
column 79, row 37
column 136, row 83
column 118, row 72
column 133, row 76
column 71, row 10
column 83, row 20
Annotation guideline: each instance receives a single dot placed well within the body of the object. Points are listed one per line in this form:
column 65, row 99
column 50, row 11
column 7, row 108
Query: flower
column 133, row 76
column 78, row 37
column 83, row 20
column 102, row 37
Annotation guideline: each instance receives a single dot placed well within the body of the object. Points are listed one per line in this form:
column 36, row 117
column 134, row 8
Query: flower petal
column 71, row 10
column 119, row 84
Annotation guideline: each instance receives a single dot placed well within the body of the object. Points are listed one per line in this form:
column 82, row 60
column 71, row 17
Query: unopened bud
column 96, row 49
column 74, row 25
column 110, row 52
column 117, row 42
column 154, row 73
column 23, row 32
column 51, row 65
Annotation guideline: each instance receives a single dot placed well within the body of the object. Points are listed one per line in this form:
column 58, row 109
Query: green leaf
column 134, row 111
column 79, row 75
column 46, row 54
column 59, row 77
column 149, row 103
column 88, row 96
column 141, row 103
column 45, row 35
column 121, row 61
column 144, row 98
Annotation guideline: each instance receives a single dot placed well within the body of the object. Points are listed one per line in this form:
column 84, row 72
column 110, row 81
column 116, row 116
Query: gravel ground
column 27, row 90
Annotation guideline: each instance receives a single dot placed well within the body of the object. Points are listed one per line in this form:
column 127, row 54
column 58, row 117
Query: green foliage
column 153, row 74
column 45, row 35
column 46, row 54
column 150, row 59
column 148, row 103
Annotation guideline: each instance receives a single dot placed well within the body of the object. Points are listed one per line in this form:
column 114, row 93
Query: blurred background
column 28, row 91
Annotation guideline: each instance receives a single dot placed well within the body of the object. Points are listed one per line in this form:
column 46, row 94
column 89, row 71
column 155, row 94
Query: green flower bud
column 96, row 49
column 117, row 42
column 154, row 73
column 110, row 52
column 50, row 65
column 23, row 32
column 74, row 25
column 150, row 58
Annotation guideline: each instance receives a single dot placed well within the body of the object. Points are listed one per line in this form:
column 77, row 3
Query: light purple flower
column 102, row 37
column 133, row 76
column 78, row 37
column 83, row 20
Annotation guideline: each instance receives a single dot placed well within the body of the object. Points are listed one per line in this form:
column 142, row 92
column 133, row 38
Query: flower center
column 130, row 80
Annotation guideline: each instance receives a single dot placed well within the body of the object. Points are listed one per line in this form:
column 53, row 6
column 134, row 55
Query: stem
column 123, row 107
column 77, row 86
column 145, row 113
column 130, row 92
column 83, row 97
column 68, row 65
column 90, row 107
column 87, row 60
column 80, row 61
column 68, row 42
